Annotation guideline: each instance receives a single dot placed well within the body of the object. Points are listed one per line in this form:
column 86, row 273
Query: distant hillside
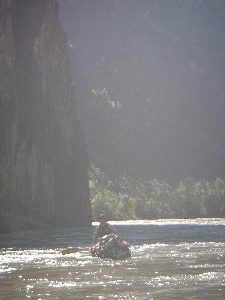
column 151, row 85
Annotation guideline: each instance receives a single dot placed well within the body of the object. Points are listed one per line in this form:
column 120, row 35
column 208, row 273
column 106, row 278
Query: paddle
column 75, row 250
column 71, row 250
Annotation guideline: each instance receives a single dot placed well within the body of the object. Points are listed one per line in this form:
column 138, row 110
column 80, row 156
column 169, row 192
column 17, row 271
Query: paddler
column 103, row 229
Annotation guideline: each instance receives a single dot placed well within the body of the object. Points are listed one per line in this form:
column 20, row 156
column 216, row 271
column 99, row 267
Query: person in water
column 103, row 229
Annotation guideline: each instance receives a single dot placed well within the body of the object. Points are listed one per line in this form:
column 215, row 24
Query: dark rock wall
column 43, row 158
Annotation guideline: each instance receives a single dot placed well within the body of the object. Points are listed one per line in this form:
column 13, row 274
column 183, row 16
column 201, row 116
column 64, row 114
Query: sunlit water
column 171, row 259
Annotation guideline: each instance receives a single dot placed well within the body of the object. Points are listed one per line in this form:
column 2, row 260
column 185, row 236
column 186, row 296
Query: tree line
column 127, row 198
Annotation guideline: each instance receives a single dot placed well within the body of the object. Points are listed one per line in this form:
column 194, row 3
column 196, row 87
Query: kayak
column 111, row 246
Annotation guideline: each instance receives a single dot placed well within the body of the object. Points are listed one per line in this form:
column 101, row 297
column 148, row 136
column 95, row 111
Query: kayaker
column 103, row 229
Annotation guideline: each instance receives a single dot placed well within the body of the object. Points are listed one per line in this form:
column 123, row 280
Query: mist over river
column 170, row 259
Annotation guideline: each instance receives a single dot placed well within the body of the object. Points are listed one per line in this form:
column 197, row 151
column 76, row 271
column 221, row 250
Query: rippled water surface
column 171, row 259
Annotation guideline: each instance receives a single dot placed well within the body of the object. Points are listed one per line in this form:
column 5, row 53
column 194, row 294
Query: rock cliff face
column 43, row 158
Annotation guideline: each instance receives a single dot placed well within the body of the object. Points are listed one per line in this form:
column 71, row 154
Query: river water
column 170, row 259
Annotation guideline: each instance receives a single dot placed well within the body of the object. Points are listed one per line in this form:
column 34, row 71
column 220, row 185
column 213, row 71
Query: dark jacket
column 104, row 230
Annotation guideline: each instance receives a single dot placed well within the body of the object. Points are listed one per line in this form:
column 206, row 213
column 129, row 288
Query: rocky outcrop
column 43, row 158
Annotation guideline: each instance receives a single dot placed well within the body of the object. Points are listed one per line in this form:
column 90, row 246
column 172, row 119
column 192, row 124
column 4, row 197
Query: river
column 170, row 259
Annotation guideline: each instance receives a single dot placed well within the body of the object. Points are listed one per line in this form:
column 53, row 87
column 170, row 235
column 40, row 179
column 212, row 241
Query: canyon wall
column 43, row 157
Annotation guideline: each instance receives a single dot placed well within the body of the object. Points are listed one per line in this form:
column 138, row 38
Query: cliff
column 43, row 157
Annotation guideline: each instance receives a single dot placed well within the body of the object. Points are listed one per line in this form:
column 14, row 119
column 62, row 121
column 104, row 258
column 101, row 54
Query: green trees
column 127, row 198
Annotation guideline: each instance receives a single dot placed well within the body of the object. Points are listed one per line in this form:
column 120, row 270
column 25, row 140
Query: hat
column 102, row 216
